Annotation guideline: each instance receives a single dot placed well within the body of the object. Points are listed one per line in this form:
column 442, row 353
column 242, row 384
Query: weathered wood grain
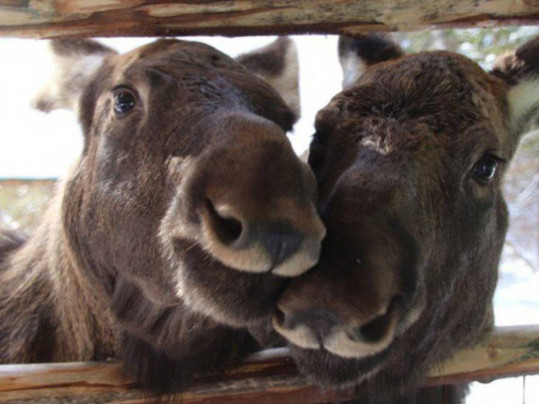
column 267, row 377
column 67, row 18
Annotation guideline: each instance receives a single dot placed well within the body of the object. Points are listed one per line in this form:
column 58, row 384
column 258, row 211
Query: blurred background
column 36, row 149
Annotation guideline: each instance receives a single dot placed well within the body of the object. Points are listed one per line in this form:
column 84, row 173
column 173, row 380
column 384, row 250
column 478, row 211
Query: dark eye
column 124, row 101
column 485, row 169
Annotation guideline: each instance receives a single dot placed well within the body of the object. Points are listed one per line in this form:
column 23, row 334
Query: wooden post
column 68, row 18
column 266, row 378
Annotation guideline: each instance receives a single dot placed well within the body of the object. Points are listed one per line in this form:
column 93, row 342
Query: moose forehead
column 174, row 56
column 178, row 83
column 442, row 95
column 168, row 63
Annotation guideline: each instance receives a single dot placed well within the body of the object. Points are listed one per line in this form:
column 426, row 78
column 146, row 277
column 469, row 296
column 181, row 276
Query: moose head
column 409, row 160
column 187, row 185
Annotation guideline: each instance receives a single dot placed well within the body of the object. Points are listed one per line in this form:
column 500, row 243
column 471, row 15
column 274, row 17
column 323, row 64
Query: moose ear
column 356, row 54
column 277, row 64
column 75, row 62
column 519, row 70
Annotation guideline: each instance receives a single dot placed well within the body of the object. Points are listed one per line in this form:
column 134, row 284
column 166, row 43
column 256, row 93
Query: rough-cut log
column 55, row 18
column 267, row 377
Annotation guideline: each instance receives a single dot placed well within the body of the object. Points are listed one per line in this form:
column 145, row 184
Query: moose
column 188, row 220
column 409, row 160
column 179, row 224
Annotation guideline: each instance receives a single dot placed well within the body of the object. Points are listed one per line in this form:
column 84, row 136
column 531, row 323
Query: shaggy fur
column 181, row 220
column 409, row 265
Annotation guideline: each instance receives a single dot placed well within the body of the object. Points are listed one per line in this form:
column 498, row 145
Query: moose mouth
column 325, row 368
column 233, row 297
column 347, row 348
column 373, row 374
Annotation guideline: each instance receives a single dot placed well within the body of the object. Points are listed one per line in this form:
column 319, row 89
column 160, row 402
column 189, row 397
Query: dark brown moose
column 409, row 160
column 184, row 215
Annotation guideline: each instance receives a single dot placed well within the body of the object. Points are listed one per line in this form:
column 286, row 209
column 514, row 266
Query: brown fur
column 9, row 241
column 409, row 266
column 180, row 219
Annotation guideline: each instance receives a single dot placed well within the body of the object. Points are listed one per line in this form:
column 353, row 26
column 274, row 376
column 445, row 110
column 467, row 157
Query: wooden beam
column 77, row 18
column 267, row 377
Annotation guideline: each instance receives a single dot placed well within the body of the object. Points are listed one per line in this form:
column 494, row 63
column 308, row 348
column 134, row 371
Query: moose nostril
column 286, row 319
column 373, row 331
column 378, row 328
column 227, row 229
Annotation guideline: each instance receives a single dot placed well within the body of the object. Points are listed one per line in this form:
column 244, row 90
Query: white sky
column 38, row 145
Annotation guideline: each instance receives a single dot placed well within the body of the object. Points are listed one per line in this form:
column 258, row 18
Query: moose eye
column 124, row 101
column 485, row 169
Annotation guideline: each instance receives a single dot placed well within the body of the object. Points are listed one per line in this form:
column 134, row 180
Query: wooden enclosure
column 270, row 376
column 63, row 18
column 266, row 377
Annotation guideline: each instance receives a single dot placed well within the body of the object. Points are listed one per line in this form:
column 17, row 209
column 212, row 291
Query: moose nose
column 278, row 238
column 260, row 246
column 248, row 201
column 323, row 328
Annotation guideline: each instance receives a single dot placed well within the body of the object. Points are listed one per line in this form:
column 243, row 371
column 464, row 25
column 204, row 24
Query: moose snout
column 236, row 238
column 249, row 202
column 325, row 328
column 351, row 308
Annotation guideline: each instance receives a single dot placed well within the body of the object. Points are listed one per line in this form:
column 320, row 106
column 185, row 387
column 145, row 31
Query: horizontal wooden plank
column 68, row 18
column 266, row 377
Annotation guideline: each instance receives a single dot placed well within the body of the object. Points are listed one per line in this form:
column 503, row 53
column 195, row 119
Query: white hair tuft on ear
column 523, row 103
column 519, row 70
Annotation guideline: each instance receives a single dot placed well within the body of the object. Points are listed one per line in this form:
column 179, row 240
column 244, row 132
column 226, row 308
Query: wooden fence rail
column 55, row 18
column 267, row 377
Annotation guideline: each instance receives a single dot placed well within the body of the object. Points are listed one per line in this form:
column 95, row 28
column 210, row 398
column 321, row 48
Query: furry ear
column 76, row 60
column 519, row 70
column 277, row 64
column 356, row 54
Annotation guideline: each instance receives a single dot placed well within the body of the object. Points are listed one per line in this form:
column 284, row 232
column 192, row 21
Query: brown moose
column 409, row 160
column 181, row 220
